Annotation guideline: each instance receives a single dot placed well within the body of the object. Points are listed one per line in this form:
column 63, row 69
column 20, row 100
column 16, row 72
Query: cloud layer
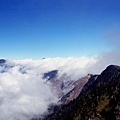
column 23, row 92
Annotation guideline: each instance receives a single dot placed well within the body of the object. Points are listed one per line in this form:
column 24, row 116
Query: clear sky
column 56, row 28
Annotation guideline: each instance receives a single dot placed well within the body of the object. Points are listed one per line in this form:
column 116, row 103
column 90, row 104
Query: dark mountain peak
column 2, row 61
column 110, row 72
column 112, row 68
column 51, row 74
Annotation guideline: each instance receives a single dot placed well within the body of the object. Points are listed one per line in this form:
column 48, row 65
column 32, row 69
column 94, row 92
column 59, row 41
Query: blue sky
column 56, row 28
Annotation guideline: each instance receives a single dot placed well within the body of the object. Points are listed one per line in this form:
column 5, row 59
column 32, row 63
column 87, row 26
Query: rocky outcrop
column 78, row 86
column 66, row 88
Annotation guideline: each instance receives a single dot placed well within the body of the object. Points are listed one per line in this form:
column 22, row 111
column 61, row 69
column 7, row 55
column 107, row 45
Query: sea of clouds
column 24, row 94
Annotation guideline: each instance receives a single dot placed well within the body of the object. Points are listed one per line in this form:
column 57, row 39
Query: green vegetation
column 104, row 101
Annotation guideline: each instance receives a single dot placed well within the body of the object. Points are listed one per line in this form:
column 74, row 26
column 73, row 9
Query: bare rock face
column 67, row 89
column 59, row 84
column 78, row 86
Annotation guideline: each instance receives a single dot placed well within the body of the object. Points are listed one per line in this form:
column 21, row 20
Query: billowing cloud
column 24, row 93
column 23, row 96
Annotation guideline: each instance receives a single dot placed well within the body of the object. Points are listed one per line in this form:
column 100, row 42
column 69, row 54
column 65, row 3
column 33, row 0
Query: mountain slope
column 100, row 101
column 78, row 86
column 66, row 88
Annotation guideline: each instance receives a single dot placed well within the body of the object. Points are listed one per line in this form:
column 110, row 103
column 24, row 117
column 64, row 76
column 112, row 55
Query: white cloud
column 105, row 59
column 23, row 92
column 23, row 95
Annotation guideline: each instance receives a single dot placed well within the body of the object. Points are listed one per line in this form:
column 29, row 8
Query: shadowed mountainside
column 98, row 101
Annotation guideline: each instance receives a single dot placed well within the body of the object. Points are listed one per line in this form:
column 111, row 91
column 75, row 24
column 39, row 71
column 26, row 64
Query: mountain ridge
column 100, row 101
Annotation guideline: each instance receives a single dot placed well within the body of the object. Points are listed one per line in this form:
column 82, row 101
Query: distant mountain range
column 99, row 99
